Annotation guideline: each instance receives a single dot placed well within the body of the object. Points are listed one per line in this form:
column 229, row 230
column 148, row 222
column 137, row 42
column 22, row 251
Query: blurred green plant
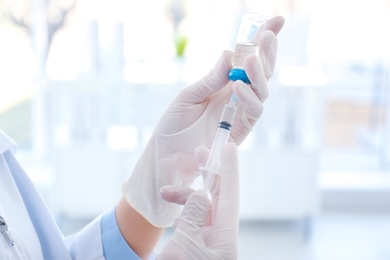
column 177, row 10
column 181, row 43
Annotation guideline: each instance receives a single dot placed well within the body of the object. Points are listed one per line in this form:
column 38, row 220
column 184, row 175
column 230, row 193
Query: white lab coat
column 32, row 227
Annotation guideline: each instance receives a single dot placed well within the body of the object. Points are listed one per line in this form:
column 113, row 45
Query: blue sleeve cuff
column 114, row 245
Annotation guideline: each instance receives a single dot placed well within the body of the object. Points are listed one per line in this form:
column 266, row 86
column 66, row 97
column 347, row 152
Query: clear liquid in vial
column 241, row 51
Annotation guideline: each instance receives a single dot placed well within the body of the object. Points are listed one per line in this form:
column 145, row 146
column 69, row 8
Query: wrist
column 141, row 235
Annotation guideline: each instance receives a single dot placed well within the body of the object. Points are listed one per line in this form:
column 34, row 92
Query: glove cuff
column 150, row 205
column 142, row 191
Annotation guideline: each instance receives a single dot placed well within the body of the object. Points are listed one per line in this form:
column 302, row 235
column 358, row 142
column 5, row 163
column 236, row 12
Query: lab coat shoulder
column 87, row 243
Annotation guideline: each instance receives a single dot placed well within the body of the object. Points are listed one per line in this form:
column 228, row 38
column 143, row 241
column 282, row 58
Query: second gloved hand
column 203, row 231
column 191, row 120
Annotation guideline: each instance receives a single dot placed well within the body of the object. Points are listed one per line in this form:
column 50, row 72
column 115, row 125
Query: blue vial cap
column 238, row 74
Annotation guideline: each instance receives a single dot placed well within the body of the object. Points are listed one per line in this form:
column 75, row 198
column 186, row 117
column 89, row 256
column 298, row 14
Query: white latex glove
column 191, row 120
column 204, row 232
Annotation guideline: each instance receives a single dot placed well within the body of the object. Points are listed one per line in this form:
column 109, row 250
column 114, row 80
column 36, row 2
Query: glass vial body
column 247, row 43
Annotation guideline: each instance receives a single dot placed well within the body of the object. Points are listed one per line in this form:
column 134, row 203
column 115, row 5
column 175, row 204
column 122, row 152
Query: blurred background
column 84, row 82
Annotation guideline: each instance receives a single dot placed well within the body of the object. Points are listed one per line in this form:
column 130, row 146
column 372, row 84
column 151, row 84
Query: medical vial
column 247, row 43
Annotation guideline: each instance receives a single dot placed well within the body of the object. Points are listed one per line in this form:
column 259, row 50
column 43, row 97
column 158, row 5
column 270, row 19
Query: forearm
column 139, row 234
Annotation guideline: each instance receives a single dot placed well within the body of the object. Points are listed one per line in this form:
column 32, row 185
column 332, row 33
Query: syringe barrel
column 214, row 160
column 221, row 138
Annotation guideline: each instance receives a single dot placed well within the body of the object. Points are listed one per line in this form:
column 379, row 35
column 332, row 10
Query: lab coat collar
column 6, row 143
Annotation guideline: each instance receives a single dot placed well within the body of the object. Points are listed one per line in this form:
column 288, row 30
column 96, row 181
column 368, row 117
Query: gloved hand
column 191, row 120
column 204, row 232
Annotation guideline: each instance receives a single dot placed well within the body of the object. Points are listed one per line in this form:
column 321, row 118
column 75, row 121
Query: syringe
column 221, row 137
column 251, row 26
